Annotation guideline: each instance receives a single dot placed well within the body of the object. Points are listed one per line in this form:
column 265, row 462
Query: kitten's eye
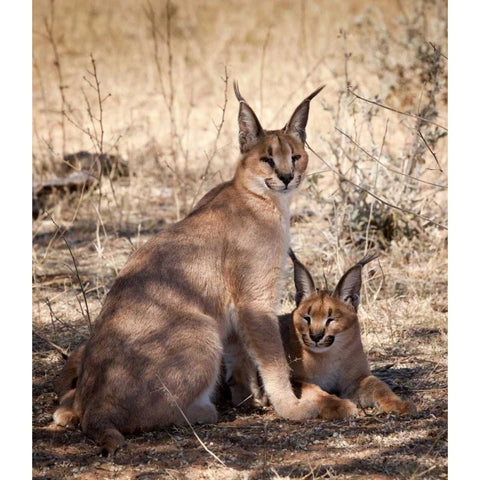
column 296, row 157
column 268, row 160
column 329, row 321
column 307, row 319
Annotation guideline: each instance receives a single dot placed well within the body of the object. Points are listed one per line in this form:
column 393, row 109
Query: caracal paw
column 334, row 408
column 400, row 407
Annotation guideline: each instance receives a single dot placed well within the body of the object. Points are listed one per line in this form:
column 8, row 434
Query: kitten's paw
column 298, row 410
column 400, row 407
column 65, row 417
column 334, row 408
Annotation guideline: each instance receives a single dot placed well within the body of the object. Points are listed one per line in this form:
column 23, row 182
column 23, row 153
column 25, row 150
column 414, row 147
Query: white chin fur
column 319, row 349
column 281, row 189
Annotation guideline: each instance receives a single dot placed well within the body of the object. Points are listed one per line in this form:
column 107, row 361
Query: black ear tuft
column 298, row 121
column 349, row 286
column 237, row 92
column 304, row 284
column 250, row 132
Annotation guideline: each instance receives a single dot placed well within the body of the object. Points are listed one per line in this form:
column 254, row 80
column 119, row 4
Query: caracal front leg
column 261, row 334
column 330, row 407
column 371, row 391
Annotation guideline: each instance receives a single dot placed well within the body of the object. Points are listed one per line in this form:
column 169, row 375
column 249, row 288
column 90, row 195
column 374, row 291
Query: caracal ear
column 298, row 121
column 250, row 132
column 304, row 284
column 349, row 286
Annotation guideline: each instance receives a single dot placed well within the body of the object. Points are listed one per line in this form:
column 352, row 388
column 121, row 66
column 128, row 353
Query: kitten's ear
column 298, row 121
column 250, row 132
column 349, row 286
column 304, row 284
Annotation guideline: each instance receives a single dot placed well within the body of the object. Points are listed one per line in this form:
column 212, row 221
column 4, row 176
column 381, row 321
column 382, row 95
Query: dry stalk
column 386, row 107
column 96, row 133
column 189, row 424
column 262, row 67
column 58, row 319
column 49, row 28
column 298, row 87
column 346, row 57
column 77, row 274
column 370, row 214
column 168, row 95
column 303, row 44
column 393, row 170
column 36, row 67
column 214, row 151
column 429, row 149
column 388, row 204
column 100, row 101
column 59, row 349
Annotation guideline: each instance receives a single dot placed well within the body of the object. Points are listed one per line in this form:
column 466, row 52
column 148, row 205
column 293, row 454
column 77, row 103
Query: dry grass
column 377, row 178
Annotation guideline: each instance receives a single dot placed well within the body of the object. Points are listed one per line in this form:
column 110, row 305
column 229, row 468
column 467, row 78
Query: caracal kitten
column 155, row 352
column 323, row 346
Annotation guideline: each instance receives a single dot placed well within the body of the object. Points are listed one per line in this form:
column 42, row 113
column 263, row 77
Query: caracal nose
column 286, row 178
column 317, row 337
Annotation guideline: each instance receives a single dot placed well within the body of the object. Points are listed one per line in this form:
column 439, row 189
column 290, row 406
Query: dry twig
column 62, row 236
column 59, row 349
column 214, row 151
column 189, row 424
column 396, row 111
column 388, row 204
column 393, row 170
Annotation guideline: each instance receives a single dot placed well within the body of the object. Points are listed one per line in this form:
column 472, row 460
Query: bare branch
column 262, row 66
column 437, row 50
column 300, row 85
column 202, row 443
column 388, row 204
column 49, row 28
column 396, row 111
column 215, row 143
column 62, row 235
column 60, row 350
column 429, row 149
column 52, row 313
column 369, row 155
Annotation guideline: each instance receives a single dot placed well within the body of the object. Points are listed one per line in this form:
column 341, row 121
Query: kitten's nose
column 286, row 178
column 316, row 338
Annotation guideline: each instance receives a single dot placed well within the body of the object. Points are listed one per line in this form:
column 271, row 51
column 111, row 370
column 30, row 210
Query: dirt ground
column 410, row 356
column 257, row 445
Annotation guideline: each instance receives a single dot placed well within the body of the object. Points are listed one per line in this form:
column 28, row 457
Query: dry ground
column 164, row 117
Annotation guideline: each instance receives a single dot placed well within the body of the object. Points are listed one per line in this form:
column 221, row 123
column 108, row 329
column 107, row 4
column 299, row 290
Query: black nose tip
column 316, row 338
column 286, row 178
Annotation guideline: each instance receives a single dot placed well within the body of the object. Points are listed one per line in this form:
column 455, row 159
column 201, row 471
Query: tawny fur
column 340, row 369
column 154, row 355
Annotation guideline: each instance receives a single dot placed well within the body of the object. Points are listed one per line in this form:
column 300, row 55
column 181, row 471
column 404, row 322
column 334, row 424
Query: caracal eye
column 268, row 160
column 295, row 158
column 308, row 319
column 329, row 321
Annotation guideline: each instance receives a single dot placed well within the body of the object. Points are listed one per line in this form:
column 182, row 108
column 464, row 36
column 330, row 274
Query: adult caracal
column 323, row 346
column 154, row 356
